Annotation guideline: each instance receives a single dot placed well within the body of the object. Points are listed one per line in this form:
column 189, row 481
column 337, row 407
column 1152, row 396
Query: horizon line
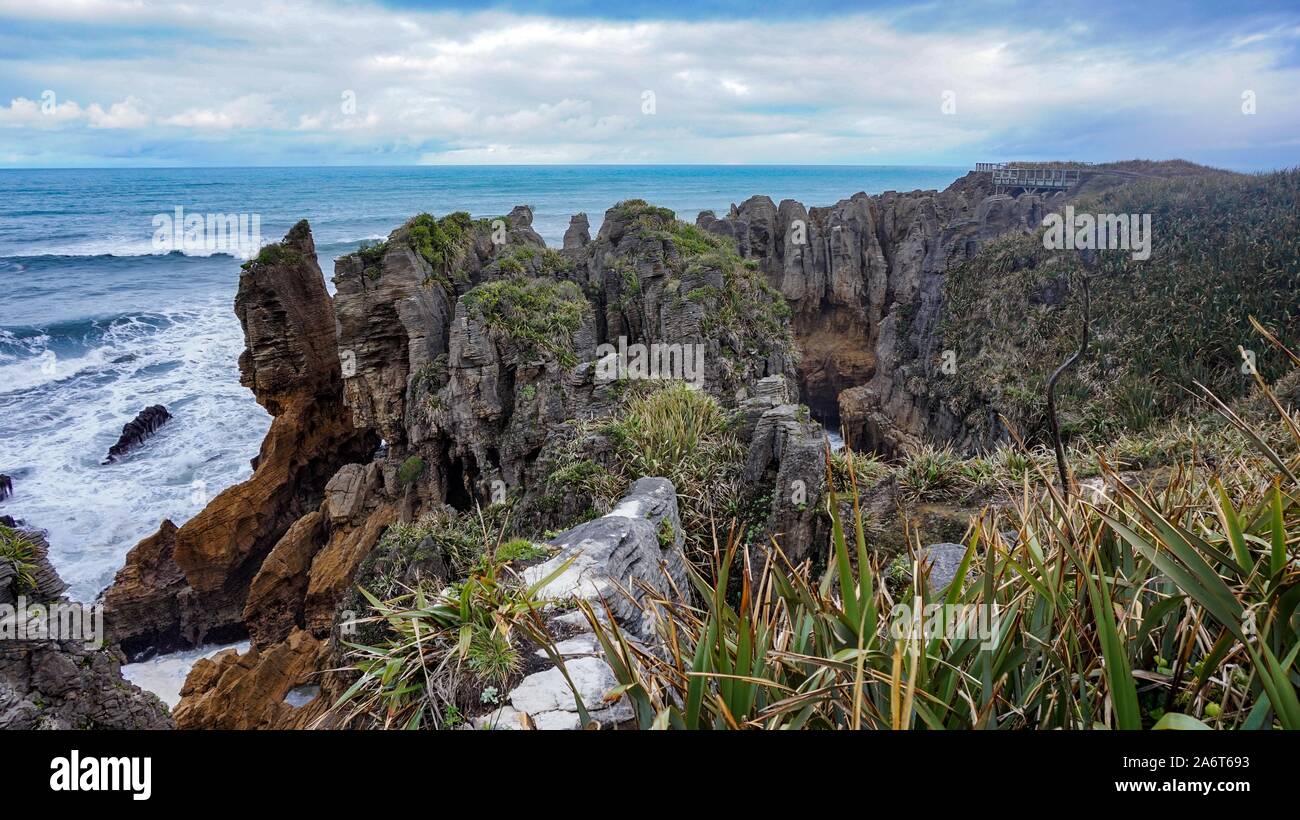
column 497, row 165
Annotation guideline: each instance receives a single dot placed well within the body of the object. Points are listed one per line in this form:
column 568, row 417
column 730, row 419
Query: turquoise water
column 96, row 324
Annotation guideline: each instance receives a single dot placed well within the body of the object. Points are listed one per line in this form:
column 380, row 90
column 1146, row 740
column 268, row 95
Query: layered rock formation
column 182, row 587
column 864, row 278
column 470, row 348
column 52, row 680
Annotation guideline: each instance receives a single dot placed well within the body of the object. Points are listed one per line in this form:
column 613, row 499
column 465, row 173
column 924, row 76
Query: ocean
column 97, row 323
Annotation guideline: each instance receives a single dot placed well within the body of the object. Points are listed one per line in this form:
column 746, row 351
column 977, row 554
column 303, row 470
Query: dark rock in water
column 6, row 487
column 137, row 430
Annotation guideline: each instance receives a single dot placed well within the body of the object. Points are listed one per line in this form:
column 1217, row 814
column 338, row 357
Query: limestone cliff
column 864, row 279
column 182, row 587
column 471, row 349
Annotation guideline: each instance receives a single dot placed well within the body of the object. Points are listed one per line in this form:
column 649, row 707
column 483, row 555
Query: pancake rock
column 193, row 582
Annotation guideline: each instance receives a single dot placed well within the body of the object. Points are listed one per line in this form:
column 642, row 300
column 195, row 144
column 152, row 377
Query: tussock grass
column 539, row 314
column 19, row 552
column 1144, row 608
column 440, row 652
column 669, row 430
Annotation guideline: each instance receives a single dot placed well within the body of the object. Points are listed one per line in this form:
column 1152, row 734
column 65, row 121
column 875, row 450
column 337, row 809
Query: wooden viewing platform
column 1008, row 177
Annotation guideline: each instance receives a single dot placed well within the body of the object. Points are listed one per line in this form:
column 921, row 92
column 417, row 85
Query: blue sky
column 319, row 82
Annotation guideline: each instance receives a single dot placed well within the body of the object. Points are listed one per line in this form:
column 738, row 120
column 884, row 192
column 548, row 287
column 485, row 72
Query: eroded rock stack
column 864, row 278
column 182, row 587
column 470, row 349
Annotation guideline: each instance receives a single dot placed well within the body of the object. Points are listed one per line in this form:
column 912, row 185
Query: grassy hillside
column 1225, row 247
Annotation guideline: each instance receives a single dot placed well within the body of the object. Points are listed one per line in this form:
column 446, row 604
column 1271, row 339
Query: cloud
column 276, row 77
column 49, row 113
column 124, row 114
column 252, row 111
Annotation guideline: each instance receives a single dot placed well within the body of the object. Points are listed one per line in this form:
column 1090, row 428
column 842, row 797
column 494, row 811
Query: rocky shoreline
column 469, row 351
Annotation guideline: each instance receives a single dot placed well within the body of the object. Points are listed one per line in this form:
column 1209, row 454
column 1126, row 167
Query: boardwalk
column 1007, row 178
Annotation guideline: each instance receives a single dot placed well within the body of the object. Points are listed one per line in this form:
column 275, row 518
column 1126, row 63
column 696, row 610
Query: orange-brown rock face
column 250, row 691
column 146, row 598
column 182, row 587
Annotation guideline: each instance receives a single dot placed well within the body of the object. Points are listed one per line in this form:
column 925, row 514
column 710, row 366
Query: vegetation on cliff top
column 541, row 315
column 744, row 311
column 1225, row 247
column 441, row 242
column 273, row 254
column 1174, row 608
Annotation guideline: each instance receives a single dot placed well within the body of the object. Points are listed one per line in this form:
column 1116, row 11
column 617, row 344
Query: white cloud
column 476, row 87
column 49, row 112
column 124, row 114
column 248, row 111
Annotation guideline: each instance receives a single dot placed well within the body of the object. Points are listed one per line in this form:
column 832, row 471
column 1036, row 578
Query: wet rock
column 134, row 432
column 147, row 605
column 6, row 486
column 250, row 690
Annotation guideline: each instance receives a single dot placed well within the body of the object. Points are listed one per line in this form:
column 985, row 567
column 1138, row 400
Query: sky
column 105, row 83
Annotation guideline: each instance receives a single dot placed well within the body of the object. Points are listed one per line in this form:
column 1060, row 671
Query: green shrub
column 20, row 552
column 410, row 470
column 540, row 315
column 441, row 242
column 1153, row 608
